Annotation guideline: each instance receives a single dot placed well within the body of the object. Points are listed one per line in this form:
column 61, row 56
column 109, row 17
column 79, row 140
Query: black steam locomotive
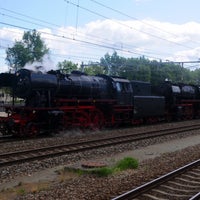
column 53, row 100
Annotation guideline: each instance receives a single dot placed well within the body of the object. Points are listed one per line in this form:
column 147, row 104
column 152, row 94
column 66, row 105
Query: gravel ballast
column 38, row 179
column 93, row 187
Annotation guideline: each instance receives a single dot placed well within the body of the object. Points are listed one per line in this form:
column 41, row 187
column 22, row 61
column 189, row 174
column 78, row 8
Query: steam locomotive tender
column 182, row 100
column 53, row 101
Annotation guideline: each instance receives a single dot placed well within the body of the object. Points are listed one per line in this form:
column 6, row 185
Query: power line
column 82, row 41
column 53, row 48
column 127, row 26
column 62, row 31
column 96, row 44
column 77, row 13
column 104, row 39
column 131, row 17
column 32, row 18
column 179, row 62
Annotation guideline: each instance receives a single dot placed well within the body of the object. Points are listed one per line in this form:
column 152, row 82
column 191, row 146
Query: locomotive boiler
column 39, row 89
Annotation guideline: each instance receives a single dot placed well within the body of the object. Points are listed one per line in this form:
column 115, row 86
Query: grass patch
column 21, row 191
column 124, row 164
column 127, row 163
column 103, row 171
column 70, row 170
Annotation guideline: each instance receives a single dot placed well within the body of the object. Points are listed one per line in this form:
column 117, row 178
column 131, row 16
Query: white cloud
column 161, row 40
column 189, row 55
column 11, row 34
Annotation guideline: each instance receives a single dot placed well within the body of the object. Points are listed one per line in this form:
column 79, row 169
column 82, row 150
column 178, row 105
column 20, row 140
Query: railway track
column 7, row 138
column 183, row 184
column 10, row 138
column 46, row 152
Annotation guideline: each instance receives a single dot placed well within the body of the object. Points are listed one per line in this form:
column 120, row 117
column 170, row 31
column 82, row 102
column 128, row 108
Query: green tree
column 67, row 66
column 136, row 69
column 196, row 76
column 113, row 63
column 95, row 68
column 168, row 71
column 31, row 48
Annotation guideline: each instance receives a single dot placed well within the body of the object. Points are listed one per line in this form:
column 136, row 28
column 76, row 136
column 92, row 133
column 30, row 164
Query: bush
column 127, row 163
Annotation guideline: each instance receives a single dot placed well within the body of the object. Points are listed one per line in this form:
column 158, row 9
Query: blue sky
column 63, row 12
column 157, row 29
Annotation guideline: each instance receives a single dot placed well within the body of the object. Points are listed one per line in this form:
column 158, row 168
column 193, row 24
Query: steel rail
column 46, row 152
column 157, row 182
column 195, row 197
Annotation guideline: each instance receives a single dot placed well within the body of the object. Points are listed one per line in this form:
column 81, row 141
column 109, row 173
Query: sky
column 85, row 30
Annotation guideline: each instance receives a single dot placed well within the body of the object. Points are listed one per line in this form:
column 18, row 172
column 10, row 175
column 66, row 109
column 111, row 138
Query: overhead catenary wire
column 83, row 41
column 102, row 40
column 50, row 25
column 127, row 26
column 99, row 43
column 134, row 18
column 95, row 37
column 77, row 16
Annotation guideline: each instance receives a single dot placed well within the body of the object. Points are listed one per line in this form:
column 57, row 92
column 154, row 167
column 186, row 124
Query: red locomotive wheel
column 96, row 119
column 31, row 129
column 81, row 119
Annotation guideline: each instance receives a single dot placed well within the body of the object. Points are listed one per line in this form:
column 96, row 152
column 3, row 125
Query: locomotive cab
column 189, row 91
column 171, row 92
column 123, row 90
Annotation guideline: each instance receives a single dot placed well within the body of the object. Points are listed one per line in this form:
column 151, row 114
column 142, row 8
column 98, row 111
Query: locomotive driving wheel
column 96, row 119
column 31, row 129
column 4, row 129
column 81, row 119
column 188, row 112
